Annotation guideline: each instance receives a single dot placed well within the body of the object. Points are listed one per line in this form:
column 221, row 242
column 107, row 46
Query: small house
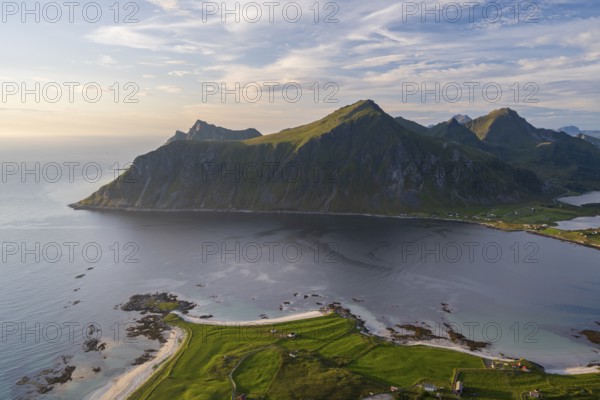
column 536, row 394
column 394, row 389
column 428, row 387
column 458, row 388
column 291, row 335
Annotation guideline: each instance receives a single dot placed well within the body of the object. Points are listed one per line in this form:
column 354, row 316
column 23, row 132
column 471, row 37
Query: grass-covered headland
column 328, row 358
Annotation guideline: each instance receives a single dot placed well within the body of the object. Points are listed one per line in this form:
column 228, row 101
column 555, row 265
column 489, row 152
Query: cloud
column 374, row 49
column 169, row 89
column 167, row 5
column 107, row 60
column 180, row 73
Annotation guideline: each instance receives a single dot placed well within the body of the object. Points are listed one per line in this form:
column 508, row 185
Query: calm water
column 579, row 223
column 582, row 222
column 587, row 198
column 526, row 293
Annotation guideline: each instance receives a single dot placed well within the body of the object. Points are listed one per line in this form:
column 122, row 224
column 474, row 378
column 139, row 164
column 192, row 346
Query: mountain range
column 574, row 131
column 358, row 159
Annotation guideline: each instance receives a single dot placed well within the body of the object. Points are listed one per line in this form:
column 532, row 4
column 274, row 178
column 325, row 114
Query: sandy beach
column 286, row 318
column 574, row 371
column 485, row 353
column 123, row 386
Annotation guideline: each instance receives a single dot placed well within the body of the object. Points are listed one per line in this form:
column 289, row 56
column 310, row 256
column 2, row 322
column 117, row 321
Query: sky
column 155, row 66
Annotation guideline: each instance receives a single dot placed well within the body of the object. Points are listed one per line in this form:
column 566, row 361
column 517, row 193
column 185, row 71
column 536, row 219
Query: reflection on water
column 527, row 294
column 580, row 223
column 587, row 198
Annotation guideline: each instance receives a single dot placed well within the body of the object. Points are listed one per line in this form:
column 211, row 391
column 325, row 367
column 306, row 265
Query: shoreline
column 75, row 206
column 121, row 387
column 446, row 345
column 256, row 322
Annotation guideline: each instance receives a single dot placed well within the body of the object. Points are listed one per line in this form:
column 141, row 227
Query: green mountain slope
column 411, row 125
column 504, row 127
column 357, row 159
column 558, row 158
column 453, row 130
column 591, row 139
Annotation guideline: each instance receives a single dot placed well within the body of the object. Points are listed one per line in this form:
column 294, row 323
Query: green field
column 534, row 218
column 493, row 384
column 329, row 359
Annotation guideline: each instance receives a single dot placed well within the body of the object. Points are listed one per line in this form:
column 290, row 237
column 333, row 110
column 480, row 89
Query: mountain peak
column 462, row 119
column 365, row 113
column 504, row 127
column 505, row 112
column 571, row 130
column 199, row 124
column 363, row 106
column 202, row 130
column 453, row 121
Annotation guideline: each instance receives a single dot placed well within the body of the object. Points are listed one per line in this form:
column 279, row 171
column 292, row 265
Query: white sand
column 123, row 386
column 120, row 388
column 287, row 318
column 574, row 371
column 485, row 353
column 448, row 345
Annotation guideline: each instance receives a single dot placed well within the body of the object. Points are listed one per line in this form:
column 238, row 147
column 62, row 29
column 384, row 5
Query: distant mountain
column 462, row 119
column 506, row 128
column 558, row 158
column 357, row 159
column 555, row 156
column 574, row 131
column 411, row 125
column 205, row 131
column 571, row 130
column 455, row 131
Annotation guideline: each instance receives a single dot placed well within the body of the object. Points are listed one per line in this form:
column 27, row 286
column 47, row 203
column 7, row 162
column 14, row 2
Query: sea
column 64, row 271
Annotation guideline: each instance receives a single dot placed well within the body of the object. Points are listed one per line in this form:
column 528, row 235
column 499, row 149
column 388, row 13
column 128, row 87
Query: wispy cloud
column 373, row 49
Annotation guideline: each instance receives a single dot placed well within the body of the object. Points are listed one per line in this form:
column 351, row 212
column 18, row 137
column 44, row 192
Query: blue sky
column 545, row 59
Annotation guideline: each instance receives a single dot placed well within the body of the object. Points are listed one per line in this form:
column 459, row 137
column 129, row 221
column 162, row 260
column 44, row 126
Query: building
column 458, row 388
column 428, row 387
column 536, row 394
